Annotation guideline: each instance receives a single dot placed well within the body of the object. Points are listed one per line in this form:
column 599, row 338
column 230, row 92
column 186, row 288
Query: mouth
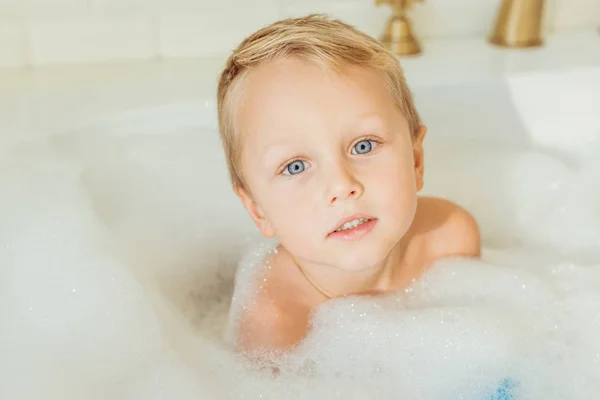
column 352, row 224
column 353, row 227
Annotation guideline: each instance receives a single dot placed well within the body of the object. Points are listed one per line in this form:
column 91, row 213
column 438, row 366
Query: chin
column 367, row 256
column 361, row 259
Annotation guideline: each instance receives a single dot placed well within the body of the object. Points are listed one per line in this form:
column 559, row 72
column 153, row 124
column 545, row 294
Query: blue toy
column 505, row 391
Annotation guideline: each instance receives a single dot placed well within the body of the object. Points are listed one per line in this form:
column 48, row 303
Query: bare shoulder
column 450, row 229
column 267, row 326
column 275, row 320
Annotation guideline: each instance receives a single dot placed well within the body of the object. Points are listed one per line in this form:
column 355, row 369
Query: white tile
column 233, row 6
column 13, row 52
column 453, row 20
column 139, row 6
column 180, row 5
column 56, row 4
column 211, row 32
column 577, row 14
column 10, row 4
column 430, row 19
column 86, row 38
column 9, row 8
column 327, row 3
column 370, row 19
column 13, row 4
column 549, row 15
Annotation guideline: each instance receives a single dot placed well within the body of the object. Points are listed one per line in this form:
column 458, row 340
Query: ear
column 255, row 212
column 418, row 156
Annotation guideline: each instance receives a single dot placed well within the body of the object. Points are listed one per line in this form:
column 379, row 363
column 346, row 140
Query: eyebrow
column 372, row 118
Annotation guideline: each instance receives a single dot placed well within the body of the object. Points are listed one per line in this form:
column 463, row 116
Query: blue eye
column 294, row 168
column 363, row 147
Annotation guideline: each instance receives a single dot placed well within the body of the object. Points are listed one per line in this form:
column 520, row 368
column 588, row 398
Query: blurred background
column 38, row 32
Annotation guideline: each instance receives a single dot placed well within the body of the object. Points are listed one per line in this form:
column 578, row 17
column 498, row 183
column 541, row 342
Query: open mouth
column 352, row 224
column 354, row 227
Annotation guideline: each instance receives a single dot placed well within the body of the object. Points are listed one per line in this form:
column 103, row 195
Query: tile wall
column 38, row 32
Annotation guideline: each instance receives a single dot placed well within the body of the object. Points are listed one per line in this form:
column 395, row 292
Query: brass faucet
column 518, row 24
column 398, row 36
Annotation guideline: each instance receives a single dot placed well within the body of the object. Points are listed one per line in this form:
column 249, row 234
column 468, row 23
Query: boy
column 325, row 151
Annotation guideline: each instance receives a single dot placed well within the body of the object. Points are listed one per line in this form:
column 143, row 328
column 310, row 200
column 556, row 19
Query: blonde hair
column 317, row 38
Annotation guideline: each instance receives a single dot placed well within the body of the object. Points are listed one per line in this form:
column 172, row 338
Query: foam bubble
column 118, row 256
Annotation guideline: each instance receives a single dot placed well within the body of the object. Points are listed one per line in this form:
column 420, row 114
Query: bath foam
column 459, row 332
column 117, row 267
column 76, row 321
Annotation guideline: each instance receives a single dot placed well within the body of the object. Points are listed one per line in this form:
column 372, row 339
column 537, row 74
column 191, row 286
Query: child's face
column 319, row 147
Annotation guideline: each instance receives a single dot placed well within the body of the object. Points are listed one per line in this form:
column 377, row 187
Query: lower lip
column 354, row 233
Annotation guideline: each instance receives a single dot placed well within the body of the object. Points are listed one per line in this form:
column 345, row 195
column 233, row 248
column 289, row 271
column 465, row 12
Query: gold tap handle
column 406, row 4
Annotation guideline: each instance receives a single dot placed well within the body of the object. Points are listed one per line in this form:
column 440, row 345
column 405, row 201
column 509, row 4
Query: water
column 117, row 257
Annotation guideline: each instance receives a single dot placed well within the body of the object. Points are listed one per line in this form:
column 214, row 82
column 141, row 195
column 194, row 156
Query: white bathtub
column 119, row 233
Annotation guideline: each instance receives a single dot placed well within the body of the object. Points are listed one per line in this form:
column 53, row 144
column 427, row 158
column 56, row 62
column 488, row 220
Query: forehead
column 288, row 97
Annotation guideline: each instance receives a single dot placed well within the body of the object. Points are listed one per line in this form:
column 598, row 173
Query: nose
column 343, row 184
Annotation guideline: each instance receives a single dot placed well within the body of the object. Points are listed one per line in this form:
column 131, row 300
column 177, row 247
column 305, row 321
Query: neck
column 333, row 282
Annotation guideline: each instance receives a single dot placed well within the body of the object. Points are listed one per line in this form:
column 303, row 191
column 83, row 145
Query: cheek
column 396, row 189
column 294, row 219
column 399, row 193
column 287, row 209
column 395, row 170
